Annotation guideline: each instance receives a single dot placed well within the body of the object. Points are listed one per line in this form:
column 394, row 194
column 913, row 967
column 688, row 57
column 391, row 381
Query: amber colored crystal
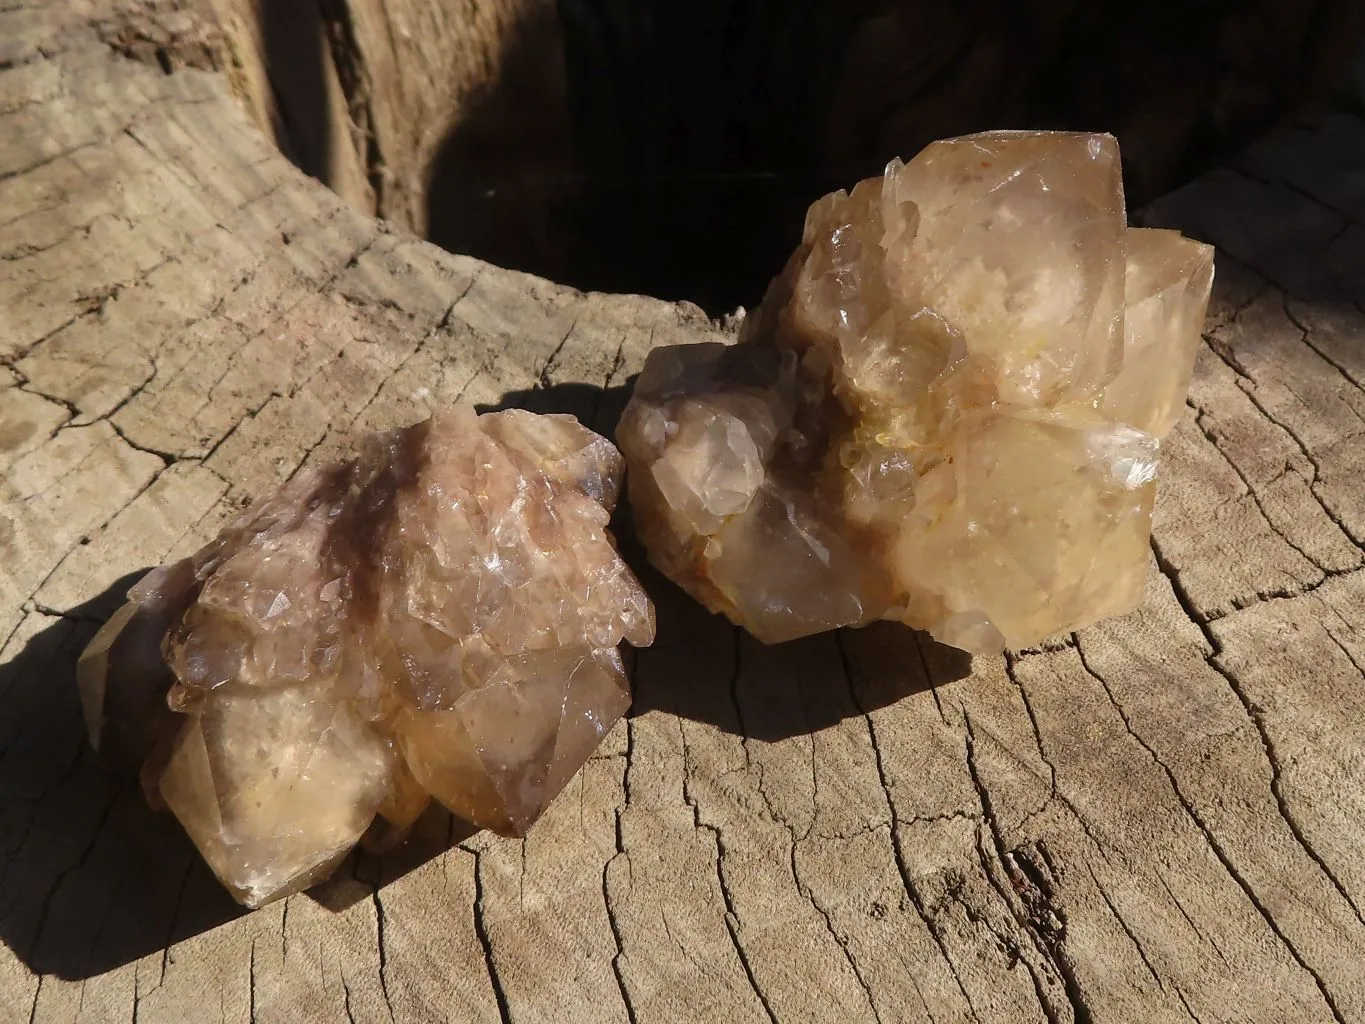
column 946, row 411
column 437, row 618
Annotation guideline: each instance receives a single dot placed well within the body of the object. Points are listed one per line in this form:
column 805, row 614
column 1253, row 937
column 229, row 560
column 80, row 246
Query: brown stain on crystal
column 1159, row 767
column 355, row 538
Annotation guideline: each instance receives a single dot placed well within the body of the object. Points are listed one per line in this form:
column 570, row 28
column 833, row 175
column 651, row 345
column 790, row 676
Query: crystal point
column 438, row 618
column 946, row 411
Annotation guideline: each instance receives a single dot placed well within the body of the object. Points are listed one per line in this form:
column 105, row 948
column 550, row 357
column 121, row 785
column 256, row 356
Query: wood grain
column 1159, row 819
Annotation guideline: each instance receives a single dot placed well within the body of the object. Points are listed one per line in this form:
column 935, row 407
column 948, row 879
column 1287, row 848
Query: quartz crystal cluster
column 946, row 411
column 437, row 618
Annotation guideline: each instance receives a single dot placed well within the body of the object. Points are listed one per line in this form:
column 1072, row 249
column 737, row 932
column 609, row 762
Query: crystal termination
column 946, row 411
column 437, row 618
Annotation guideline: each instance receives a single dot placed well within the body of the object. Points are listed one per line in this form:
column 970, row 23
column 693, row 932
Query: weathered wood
column 1159, row 819
column 364, row 94
column 672, row 149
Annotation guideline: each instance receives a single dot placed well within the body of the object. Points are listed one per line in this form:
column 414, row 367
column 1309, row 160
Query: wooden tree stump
column 1160, row 819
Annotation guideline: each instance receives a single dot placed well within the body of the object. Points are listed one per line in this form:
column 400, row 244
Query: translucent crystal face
column 439, row 618
column 946, row 411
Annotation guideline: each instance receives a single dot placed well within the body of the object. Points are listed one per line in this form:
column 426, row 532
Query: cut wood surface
column 1159, row 819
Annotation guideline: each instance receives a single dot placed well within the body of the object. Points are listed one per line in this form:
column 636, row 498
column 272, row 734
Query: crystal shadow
column 93, row 878
column 703, row 668
column 90, row 876
column 596, row 407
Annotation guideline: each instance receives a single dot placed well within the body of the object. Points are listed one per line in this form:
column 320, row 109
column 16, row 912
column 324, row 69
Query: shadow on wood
column 292, row 33
column 598, row 408
column 499, row 186
column 99, row 878
column 775, row 692
column 769, row 692
column 102, row 880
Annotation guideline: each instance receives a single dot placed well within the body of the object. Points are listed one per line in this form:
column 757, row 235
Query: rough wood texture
column 364, row 94
column 1158, row 820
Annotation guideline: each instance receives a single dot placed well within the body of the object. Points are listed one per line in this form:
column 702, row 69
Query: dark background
column 671, row 146
column 700, row 131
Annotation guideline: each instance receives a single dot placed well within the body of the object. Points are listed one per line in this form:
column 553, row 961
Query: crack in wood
column 1041, row 924
column 1127, row 930
column 1306, row 333
column 353, row 73
column 1223, row 857
column 621, row 852
column 732, row 922
column 1051, row 948
column 1253, row 492
column 1254, row 714
column 1248, row 385
column 485, row 943
column 841, row 940
column 898, row 853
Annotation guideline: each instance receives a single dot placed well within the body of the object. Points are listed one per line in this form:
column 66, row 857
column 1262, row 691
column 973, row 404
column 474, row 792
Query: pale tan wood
column 1158, row 820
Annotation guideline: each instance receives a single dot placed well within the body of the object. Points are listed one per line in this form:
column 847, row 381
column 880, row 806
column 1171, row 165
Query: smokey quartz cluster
column 946, row 411
column 437, row 618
